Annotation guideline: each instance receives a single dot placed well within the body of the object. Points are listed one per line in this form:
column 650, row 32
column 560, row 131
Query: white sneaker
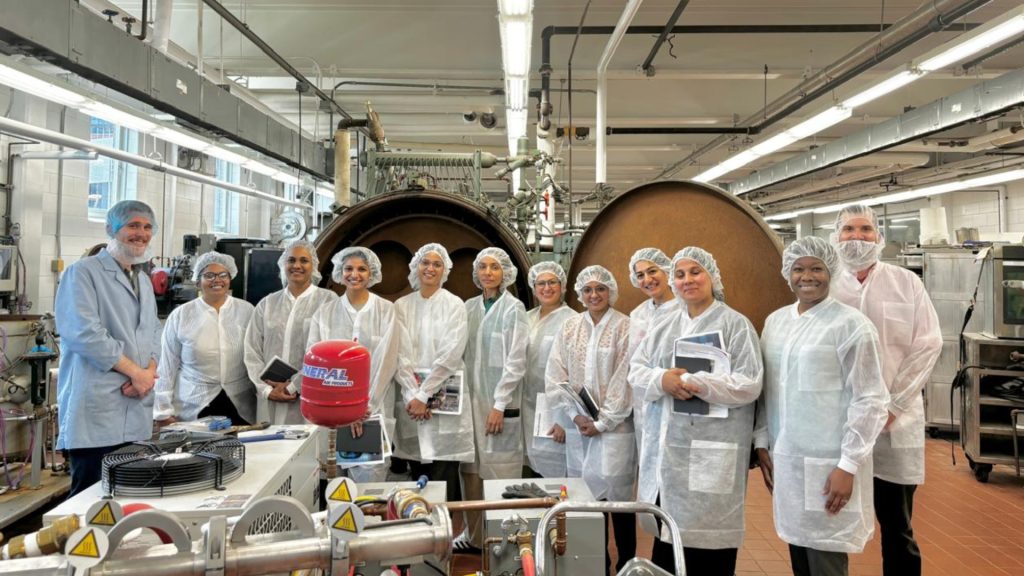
column 463, row 545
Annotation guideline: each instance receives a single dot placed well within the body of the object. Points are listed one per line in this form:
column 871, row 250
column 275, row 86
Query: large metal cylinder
column 395, row 225
column 673, row 214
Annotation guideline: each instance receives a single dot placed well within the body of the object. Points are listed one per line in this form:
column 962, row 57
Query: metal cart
column 991, row 431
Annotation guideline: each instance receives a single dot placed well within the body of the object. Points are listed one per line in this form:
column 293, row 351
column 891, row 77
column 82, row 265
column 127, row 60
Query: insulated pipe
column 601, row 158
column 342, row 167
column 53, row 137
column 932, row 16
column 162, row 25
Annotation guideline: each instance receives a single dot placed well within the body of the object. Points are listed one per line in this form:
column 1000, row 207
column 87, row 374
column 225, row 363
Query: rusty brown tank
column 395, row 225
column 673, row 214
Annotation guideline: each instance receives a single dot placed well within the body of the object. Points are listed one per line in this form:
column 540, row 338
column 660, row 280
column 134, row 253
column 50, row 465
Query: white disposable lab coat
column 546, row 457
column 642, row 319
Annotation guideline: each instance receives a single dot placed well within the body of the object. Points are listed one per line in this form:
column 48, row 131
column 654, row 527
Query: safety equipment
column 367, row 255
column 375, row 326
column 697, row 465
column 641, row 319
column 508, row 269
column 335, row 383
column 813, row 247
column 651, row 255
column 895, row 301
column 100, row 319
column 855, row 211
column 525, row 490
column 495, row 365
column 823, row 406
column 201, row 354
column 213, row 258
column 280, row 327
column 594, row 356
column 122, row 212
column 545, row 456
column 282, row 262
column 598, row 274
column 858, row 255
column 433, row 332
column 549, row 268
column 705, row 260
column 414, row 273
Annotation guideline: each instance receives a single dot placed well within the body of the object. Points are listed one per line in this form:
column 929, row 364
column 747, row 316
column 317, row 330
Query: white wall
column 175, row 201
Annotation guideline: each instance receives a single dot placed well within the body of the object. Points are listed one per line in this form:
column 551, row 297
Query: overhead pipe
column 162, row 25
column 602, row 86
column 54, row 137
column 930, row 17
column 647, row 66
column 841, row 180
column 989, row 141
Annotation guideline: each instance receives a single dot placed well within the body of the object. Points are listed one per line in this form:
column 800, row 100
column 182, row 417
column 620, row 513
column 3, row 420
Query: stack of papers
column 701, row 353
column 372, row 447
column 582, row 400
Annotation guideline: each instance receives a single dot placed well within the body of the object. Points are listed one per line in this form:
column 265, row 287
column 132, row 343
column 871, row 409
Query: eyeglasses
column 211, row 276
column 546, row 283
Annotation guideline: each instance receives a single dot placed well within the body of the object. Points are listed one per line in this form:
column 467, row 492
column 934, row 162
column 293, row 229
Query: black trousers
column 530, row 472
column 624, row 527
column 440, row 470
column 87, row 466
column 811, row 562
column 222, row 405
column 698, row 561
column 894, row 506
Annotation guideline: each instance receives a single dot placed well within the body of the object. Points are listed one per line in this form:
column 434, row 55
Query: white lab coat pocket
column 496, row 350
column 510, row 439
column 713, row 467
column 907, row 430
column 819, row 369
column 816, row 472
column 897, row 324
column 618, row 453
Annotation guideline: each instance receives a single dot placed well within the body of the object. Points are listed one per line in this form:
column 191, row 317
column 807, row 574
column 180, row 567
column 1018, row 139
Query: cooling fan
column 177, row 463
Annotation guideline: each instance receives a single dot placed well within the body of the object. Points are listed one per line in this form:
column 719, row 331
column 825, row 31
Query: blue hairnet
column 810, row 246
column 372, row 262
column 119, row 214
column 598, row 274
column 214, row 258
column 414, row 276
column 547, row 268
column 706, row 261
column 651, row 255
column 282, row 262
column 508, row 269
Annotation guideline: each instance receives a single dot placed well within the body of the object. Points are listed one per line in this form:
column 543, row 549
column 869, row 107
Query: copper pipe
column 560, row 541
column 514, row 504
column 485, row 554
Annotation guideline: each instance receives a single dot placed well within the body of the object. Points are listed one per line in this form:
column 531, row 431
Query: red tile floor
column 964, row 528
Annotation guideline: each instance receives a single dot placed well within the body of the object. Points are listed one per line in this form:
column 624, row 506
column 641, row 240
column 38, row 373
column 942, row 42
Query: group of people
column 828, row 397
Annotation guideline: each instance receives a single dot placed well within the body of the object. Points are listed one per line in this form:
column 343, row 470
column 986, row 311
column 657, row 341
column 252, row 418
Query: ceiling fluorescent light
column 819, row 122
column 41, row 88
column 226, row 155
column 990, row 34
column 515, row 121
column 119, row 117
column 515, row 7
column 907, row 219
column 181, row 139
column 515, row 45
column 782, row 216
column 516, row 92
column 890, row 84
column 259, row 168
column 286, row 178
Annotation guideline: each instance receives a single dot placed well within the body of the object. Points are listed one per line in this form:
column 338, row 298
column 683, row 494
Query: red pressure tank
column 335, row 383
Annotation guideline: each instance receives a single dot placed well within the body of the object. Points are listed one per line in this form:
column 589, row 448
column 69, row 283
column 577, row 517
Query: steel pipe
column 602, row 87
column 513, row 504
column 646, row 66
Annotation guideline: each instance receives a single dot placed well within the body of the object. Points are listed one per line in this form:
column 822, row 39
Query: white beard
column 127, row 253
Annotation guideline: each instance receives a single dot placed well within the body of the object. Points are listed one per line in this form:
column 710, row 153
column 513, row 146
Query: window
column 225, row 202
column 111, row 181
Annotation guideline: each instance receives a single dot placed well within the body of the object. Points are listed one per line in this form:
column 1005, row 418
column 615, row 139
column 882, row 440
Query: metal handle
column 616, row 507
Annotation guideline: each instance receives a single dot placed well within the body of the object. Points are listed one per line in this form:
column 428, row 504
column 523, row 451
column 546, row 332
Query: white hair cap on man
column 857, row 255
column 813, row 247
column 705, row 260
column 547, row 268
column 598, row 274
column 414, row 275
column 282, row 262
column 651, row 255
column 508, row 269
column 367, row 255
column 214, row 258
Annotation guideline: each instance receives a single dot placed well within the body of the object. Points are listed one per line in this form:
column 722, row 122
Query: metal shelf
column 986, row 400
column 993, row 429
column 997, row 372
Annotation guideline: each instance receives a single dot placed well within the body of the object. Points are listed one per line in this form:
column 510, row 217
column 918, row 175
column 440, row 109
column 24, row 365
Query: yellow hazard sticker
column 346, row 522
column 105, row 517
column 341, row 493
column 86, row 547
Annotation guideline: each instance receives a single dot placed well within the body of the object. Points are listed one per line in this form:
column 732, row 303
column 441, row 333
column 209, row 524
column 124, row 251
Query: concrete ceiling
column 712, row 79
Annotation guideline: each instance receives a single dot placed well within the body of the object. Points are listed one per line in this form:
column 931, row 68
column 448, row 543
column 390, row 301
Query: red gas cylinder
column 335, row 383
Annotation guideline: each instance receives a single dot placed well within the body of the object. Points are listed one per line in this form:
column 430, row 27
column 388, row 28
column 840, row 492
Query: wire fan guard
column 177, row 463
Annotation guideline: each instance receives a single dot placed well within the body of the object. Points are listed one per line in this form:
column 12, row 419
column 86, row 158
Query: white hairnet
column 508, row 269
column 813, row 247
column 706, row 261
column 598, row 274
column 119, row 214
column 372, row 262
column 282, row 262
column 214, row 258
column 651, row 255
column 547, row 268
column 857, row 255
column 414, row 277
column 856, row 211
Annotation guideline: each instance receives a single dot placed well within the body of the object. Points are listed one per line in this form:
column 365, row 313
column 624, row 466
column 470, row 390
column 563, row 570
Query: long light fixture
column 515, row 23
column 913, row 193
column 968, row 44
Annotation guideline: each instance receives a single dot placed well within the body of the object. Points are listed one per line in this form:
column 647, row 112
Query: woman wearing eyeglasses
column 202, row 363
